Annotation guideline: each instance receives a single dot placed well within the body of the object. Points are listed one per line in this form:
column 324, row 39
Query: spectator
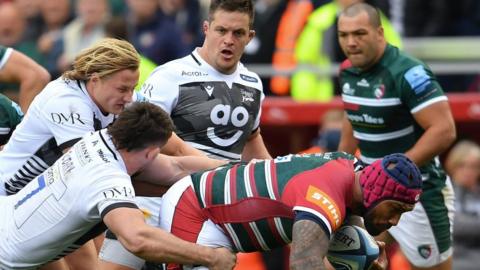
column 55, row 14
column 317, row 47
column 152, row 33
column 260, row 49
column 186, row 14
column 87, row 28
column 329, row 132
column 12, row 31
column 463, row 164
column 116, row 27
column 30, row 10
column 289, row 28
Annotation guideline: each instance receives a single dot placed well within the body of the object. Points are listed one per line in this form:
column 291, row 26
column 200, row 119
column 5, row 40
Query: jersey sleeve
column 256, row 124
column 68, row 118
column 312, row 200
column 259, row 86
column 325, row 197
column 161, row 89
column 420, row 88
column 302, row 215
column 110, row 193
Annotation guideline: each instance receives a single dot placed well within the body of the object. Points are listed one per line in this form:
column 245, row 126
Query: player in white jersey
column 214, row 101
column 61, row 114
column 214, row 112
column 89, row 188
column 84, row 99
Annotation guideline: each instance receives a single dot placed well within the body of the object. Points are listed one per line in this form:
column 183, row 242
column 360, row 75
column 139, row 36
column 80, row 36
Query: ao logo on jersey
column 223, row 114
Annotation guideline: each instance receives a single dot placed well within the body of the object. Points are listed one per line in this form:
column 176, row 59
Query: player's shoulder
column 179, row 70
column 402, row 63
column 247, row 75
column 5, row 101
column 63, row 92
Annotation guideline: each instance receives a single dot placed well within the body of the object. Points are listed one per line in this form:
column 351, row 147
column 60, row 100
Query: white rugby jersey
column 212, row 111
column 57, row 118
column 63, row 207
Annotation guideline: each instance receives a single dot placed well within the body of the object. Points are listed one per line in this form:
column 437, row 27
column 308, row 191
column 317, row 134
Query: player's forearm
column 255, row 148
column 433, row 142
column 28, row 91
column 177, row 147
column 309, row 246
column 191, row 164
column 160, row 246
column 347, row 143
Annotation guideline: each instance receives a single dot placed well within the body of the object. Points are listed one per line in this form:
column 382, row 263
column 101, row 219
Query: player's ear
column 251, row 34
column 151, row 152
column 205, row 26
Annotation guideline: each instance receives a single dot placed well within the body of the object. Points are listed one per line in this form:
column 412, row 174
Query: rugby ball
column 352, row 248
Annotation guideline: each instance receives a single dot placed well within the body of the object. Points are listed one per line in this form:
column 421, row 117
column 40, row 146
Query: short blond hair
column 104, row 58
column 459, row 153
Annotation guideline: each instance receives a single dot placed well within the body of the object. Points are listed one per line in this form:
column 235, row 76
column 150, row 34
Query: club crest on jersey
column 248, row 78
column 347, row 90
column 379, row 91
column 247, row 96
column 425, row 251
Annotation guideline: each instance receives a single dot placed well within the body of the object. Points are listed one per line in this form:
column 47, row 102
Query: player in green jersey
column 16, row 67
column 10, row 116
column 393, row 103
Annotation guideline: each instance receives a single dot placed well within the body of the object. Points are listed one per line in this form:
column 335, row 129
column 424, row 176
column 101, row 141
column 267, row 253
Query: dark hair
column 140, row 125
column 243, row 6
column 372, row 12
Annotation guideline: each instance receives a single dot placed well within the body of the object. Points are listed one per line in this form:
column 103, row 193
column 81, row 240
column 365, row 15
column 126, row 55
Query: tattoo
column 309, row 246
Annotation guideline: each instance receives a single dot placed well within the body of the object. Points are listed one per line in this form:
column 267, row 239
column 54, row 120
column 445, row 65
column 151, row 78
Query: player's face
column 360, row 41
column 225, row 39
column 113, row 92
column 385, row 215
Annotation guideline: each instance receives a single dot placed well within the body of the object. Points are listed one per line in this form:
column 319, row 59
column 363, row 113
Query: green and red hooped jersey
column 256, row 203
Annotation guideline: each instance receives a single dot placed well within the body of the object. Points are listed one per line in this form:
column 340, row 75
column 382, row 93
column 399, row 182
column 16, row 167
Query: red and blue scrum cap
column 395, row 177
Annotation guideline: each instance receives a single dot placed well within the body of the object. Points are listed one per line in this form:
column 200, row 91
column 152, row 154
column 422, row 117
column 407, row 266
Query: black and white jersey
column 64, row 206
column 212, row 111
column 57, row 118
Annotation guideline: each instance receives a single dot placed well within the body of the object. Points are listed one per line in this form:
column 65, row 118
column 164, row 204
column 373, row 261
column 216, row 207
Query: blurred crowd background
column 295, row 51
column 53, row 31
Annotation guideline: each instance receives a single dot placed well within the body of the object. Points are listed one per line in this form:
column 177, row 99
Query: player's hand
column 381, row 263
column 224, row 259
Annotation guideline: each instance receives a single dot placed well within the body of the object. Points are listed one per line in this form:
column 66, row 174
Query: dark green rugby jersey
column 10, row 116
column 380, row 102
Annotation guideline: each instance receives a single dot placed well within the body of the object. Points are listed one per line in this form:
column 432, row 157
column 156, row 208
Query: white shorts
column 113, row 251
column 176, row 215
column 425, row 234
column 207, row 234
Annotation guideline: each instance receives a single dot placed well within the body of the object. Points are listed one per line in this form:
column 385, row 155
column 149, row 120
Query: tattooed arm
column 309, row 245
